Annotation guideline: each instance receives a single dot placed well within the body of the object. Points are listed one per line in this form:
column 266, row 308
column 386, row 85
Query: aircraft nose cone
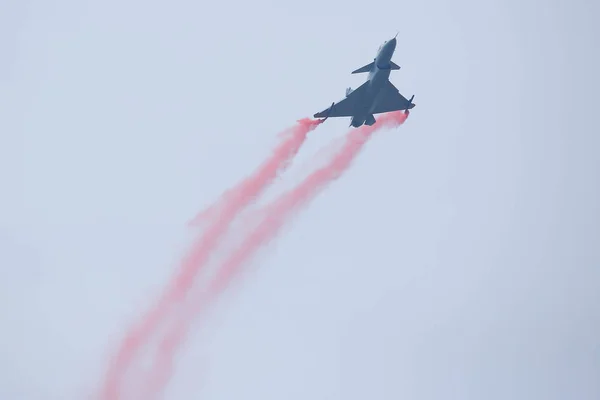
column 390, row 46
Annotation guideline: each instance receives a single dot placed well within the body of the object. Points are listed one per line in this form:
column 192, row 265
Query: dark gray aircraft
column 377, row 95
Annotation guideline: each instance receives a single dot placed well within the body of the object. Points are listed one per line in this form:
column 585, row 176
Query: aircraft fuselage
column 376, row 95
column 378, row 77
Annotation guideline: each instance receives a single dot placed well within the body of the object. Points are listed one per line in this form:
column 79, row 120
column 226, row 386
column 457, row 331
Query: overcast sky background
column 458, row 258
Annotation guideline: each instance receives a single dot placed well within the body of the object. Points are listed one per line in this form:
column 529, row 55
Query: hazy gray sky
column 458, row 258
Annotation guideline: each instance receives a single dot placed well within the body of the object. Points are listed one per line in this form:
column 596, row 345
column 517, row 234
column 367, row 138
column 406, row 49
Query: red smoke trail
column 228, row 208
column 305, row 125
column 275, row 215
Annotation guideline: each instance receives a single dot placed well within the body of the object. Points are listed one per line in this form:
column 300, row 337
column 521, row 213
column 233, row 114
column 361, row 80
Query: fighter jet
column 377, row 95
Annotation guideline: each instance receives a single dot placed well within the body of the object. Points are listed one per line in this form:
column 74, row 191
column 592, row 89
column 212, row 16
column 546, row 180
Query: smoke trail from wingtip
column 275, row 215
column 210, row 212
column 222, row 214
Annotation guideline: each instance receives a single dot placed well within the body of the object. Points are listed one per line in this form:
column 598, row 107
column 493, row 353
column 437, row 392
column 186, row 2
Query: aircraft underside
column 366, row 101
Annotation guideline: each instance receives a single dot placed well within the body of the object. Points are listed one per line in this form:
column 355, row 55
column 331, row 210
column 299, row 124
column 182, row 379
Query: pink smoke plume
column 274, row 217
column 223, row 214
column 304, row 126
